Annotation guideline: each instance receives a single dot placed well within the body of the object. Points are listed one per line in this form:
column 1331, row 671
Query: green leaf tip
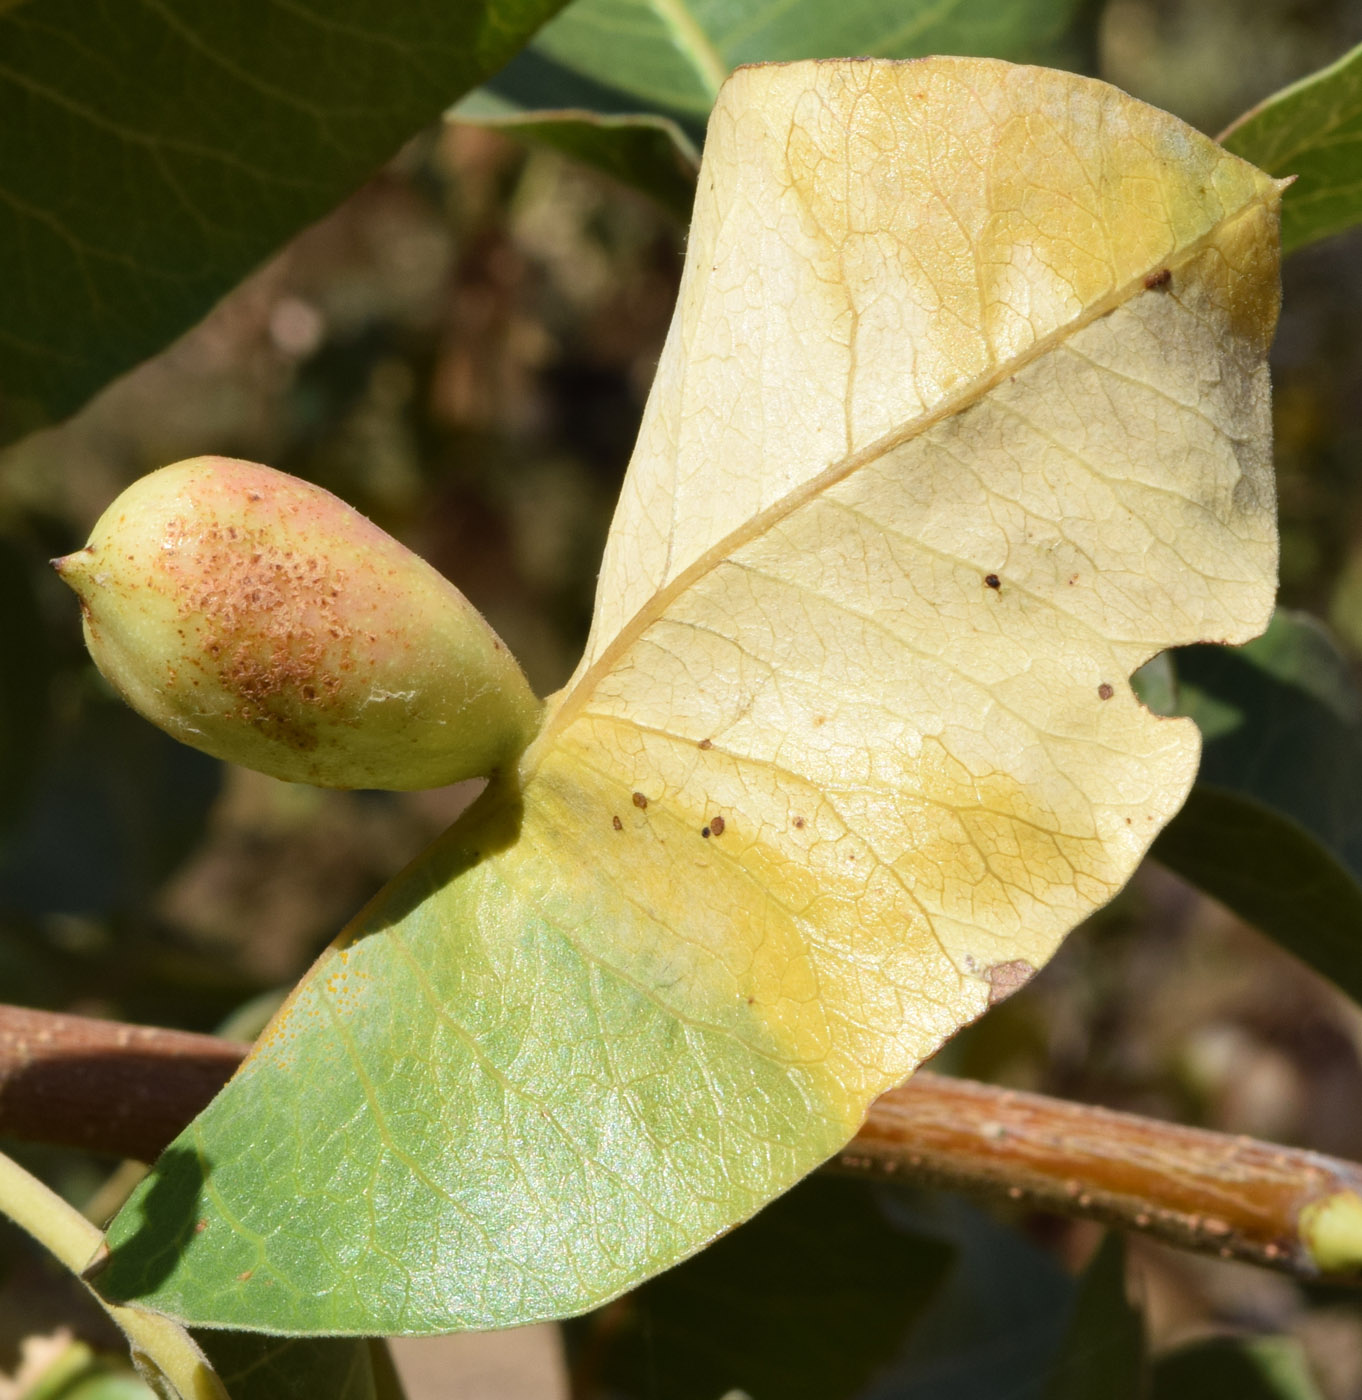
column 259, row 618
column 1308, row 132
column 1332, row 1232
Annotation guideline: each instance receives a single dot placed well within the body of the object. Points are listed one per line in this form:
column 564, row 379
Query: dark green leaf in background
column 1103, row 1355
column 1312, row 130
column 253, row 1367
column 630, row 59
column 996, row 1324
column 24, row 675
column 1273, row 827
column 804, row 1302
column 153, row 154
column 1230, row 1368
column 672, row 57
column 118, row 805
column 650, row 153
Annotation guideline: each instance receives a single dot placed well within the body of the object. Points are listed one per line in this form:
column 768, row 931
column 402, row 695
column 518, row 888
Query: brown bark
column 126, row 1090
column 1234, row 1197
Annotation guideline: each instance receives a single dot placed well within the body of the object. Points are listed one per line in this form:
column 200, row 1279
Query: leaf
column 1232, row 1368
column 1273, row 827
column 118, row 805
column 24, row 679
column 79, row 1374
column 994, row 1328
column 626, row 85
column 109, row 1385
column 167, row 148
column 1312, row 130
column 649, row 153
column 1103, row 1355
column 673, row 55
column 804, row 1302
column 253, row 1367
column 926, row 472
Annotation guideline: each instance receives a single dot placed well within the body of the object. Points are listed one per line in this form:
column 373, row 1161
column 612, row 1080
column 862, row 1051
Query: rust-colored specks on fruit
column 263, row 620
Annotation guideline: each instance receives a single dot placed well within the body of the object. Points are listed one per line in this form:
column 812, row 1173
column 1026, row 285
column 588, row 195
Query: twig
column 162, row 1350
column 1234, row 1197
column 128, row 1090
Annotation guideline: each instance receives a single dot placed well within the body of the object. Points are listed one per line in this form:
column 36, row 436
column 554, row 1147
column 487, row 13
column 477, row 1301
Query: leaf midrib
column 689, row 36
column 563, row 708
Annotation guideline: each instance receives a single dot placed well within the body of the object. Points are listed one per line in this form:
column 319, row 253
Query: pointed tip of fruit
column 68, row 568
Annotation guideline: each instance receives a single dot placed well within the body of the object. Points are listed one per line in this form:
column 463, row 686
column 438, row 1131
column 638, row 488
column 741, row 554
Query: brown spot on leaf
column 799, row 823
column 716, row 825
column 706, row 743
column 640, row 801
column 1104, row 691
column 1005, row 978
column 616, row 823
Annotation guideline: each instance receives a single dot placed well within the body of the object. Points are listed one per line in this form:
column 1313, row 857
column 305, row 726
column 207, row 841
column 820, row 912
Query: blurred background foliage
column 462, row 350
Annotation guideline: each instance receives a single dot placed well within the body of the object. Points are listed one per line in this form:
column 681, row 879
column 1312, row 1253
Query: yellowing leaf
column 963, row 415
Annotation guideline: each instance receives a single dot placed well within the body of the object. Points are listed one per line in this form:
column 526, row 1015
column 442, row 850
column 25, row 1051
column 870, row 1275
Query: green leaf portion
column 672, row 55
column 1312, row 130
column 804, row 1302
column 464, row 1105
column 1103, row 1354
column 109, row 1385
column 1273, row 827
column 24, row 676
column 997, row 1323
column 254, row 1367
column 158, row 152
column 646, row 152
column 632, row 61
column 117, row 806
column 1231, row 1368
column 994, row 1325
column 79, row 1374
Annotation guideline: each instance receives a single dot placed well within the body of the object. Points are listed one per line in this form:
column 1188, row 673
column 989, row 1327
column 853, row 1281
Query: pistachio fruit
column 263, row 620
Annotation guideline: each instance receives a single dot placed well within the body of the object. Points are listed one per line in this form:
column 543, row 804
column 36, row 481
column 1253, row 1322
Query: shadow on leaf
column 169, row 1222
